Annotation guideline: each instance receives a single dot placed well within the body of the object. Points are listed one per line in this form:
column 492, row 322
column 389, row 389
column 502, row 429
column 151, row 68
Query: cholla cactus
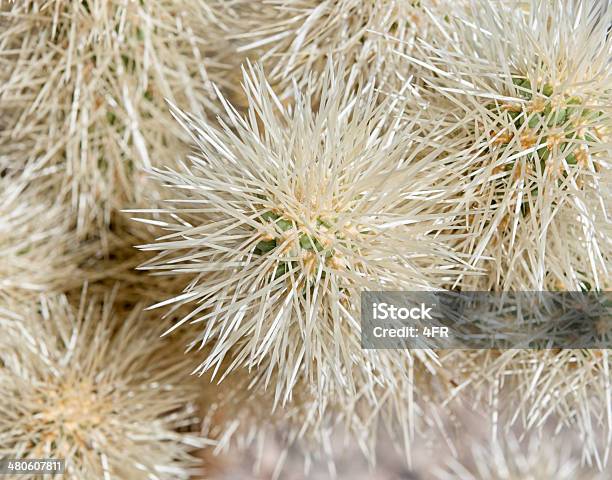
column 536, row 458
column 318, row 425
column 534, row 389
column 294, row 38
column 86, row 90
column 36, row 246
column 97, row 391
column 38, row 251
column 447, row 142
column 234, row 420
column 286, row 215
column 527, row 95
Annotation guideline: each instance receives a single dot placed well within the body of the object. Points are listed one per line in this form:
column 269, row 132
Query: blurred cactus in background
column 91, row 387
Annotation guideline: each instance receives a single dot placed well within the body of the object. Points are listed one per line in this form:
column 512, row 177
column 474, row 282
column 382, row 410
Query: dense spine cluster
column 270, row 161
